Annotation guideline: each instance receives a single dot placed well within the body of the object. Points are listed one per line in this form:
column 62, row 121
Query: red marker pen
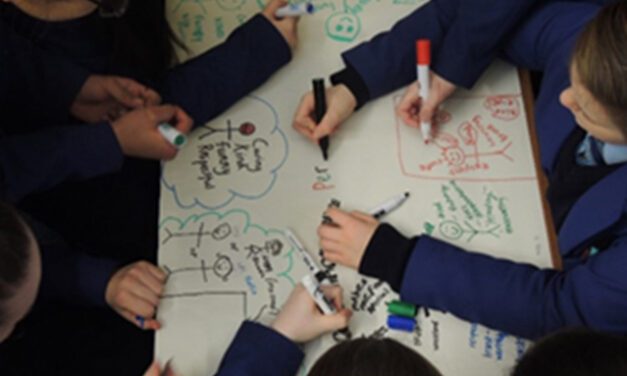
column 423, row 60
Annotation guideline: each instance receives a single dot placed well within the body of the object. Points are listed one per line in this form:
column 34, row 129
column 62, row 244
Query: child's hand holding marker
column 287, row 26
column 345, row 236
column 134, row 292
column 412, row 110
column 301, row 320
column 341, row 104
column 141, row 132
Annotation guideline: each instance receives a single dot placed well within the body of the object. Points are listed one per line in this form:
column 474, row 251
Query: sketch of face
column 221, row 231
column 274, row 247
column 231, row 4
column 343, row 27
column 451, row 230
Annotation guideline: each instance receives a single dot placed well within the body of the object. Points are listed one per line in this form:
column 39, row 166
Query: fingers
column 162, row 114
column 183, row 122
column 126, row 91
column 153, row 370
column 409, row 106
column 333, row 292
column 303, row 122
column 330, row 323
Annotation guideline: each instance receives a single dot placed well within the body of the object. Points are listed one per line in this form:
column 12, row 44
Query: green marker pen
column 176, row 138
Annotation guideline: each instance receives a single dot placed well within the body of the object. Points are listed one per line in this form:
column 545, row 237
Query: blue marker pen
column 141, row 320
column 292, row 10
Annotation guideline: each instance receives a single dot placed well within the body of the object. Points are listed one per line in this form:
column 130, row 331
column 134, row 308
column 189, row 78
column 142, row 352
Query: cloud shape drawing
column 237, row 155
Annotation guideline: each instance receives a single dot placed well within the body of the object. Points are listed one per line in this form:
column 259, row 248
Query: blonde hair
column 600, row 57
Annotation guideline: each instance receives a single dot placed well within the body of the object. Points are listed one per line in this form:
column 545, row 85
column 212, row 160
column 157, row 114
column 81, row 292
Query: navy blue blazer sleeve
column 41, row 82
column 257, row 350
column 210, row 83
column 464, row 35
column 518, row 298
column 68, row 274
column 38, row 161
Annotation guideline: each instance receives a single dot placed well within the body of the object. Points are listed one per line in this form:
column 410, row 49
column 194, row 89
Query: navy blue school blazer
column 518, row 298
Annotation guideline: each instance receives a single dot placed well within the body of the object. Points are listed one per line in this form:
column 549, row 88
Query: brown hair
column 372, row 357
column 575, row 352
column 600, row 56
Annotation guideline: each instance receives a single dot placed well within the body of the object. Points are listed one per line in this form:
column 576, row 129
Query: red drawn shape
column 503, row 107
column 445, row 140
column 454, row 156
column 467, row 133
column 247, row 128
column 442, row 117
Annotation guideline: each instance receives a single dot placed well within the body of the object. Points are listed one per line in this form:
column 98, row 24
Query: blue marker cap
column 401, row 323
column 140, row 320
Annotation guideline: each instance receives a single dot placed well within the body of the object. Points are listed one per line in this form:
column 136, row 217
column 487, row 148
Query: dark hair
column 575, row 352
column 143, row 39
column 14, row 253
column 372, row 357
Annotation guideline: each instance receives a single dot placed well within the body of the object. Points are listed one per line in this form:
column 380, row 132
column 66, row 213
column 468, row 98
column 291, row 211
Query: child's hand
column 134, row 291
column 108, row 97
column 138, row 135
column 300, row 319
column 341, row 104
column 287, row 26
column 155, row 370
column 345, row 240
column 411, row 110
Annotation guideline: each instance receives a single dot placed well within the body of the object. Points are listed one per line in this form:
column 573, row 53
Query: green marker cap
column 179, row 140
column 399, row 308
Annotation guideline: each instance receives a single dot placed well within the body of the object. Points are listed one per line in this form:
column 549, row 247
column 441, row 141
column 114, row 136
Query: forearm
column 208, row 84
column 38, row 161
column 259, row 351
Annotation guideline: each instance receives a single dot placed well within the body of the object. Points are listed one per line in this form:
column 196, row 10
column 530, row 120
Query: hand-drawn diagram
column 489, row 146
column 238, row 154
column 462, row 218
column 214, row 254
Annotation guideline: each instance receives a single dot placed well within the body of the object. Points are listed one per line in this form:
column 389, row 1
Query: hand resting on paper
column 134, row 292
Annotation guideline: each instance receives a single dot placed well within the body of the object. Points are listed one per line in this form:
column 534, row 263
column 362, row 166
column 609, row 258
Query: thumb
column 427, row 111
column 330, row 323
column 326, row 126
column 153, row 370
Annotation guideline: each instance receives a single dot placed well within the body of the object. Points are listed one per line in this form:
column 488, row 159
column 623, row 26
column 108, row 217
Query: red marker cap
column 423, row 52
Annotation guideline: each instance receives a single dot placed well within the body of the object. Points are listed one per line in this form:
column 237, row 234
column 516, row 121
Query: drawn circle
column 247, row 128
column 343, row 27
column 445, row 140
column 451, row 230
column 222, row 267
column 454, row 156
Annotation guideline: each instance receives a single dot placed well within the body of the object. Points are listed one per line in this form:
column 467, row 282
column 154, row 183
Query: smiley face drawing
column 343, row 27
column 231, row 4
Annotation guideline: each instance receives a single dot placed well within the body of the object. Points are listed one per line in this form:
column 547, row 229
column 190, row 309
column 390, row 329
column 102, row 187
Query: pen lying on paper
column 389, row 205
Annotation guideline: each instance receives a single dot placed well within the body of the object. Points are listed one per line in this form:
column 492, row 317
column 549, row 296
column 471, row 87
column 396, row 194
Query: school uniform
column 103, row 204
column 258, row 350
column 204, row 87
column 589, row 203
